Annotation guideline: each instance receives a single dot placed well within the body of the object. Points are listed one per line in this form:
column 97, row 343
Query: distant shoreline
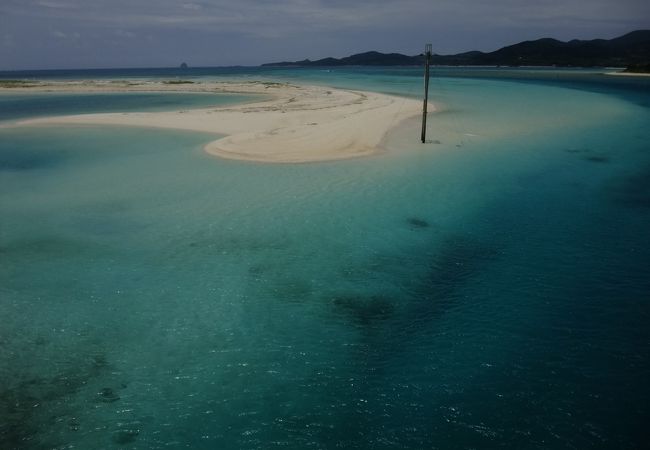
column 628, row 74
column 296, row 124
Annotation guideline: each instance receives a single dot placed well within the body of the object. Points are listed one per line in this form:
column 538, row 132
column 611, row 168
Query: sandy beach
column 292, row 124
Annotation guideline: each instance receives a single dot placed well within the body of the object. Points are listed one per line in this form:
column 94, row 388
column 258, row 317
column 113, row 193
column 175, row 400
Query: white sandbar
column 295, row 124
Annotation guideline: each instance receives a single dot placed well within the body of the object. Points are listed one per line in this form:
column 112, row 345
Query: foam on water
column 487, row 289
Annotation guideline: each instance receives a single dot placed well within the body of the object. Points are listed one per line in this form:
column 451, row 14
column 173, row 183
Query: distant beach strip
column 295, row 124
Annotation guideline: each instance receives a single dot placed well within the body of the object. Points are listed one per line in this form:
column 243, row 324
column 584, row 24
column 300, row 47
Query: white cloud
column 192, row 6
column 54, row 4
column 124, row 34
column 61, row 35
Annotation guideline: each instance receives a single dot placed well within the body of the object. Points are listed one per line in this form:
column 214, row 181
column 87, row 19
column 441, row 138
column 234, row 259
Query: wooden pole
column 427, row 61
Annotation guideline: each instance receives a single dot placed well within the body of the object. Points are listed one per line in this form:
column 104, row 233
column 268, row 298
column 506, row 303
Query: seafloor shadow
column 632, row 191
column 19, row 161
column 424, row 284
column 27, row 407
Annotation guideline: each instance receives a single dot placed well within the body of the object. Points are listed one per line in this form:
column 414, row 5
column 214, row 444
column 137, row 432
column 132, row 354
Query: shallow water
column 15, row 105
column 485, row 290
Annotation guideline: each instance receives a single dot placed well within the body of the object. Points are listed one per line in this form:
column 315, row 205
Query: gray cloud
column 220, row 32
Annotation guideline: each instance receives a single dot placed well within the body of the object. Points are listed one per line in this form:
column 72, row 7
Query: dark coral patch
column 416, row 222
column 633, row 191
column 597, row 159
column 365, row 310
column 125, row 436
column 108, row 395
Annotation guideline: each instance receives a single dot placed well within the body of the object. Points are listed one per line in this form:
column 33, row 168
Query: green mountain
column 632, row 49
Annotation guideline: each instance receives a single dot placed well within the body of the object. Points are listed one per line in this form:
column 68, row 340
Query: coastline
column 628, row 74
column 296, row 124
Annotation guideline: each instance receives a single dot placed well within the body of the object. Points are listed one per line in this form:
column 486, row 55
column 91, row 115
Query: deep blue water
column 488, row 289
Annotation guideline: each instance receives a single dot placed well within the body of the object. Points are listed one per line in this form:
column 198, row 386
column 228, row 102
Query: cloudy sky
column 162, row 33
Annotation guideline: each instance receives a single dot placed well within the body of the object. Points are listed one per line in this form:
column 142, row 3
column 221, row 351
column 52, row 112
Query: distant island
column 631, row 50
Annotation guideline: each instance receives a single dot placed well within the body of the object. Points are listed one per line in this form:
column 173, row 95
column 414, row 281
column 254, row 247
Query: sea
column 486, row 289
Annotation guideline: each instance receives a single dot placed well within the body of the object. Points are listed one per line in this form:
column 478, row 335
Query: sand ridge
column 292, row 124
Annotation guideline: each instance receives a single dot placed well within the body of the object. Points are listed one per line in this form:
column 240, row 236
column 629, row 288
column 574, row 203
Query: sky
column 64, row 34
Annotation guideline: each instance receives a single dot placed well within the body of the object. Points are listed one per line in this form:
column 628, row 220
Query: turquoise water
column 15, row 106
column 488, row 289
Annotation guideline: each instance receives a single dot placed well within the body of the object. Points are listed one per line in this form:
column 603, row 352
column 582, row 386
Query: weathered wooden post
column 427, row 61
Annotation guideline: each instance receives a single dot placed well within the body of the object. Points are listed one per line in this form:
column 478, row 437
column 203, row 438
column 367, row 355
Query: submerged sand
column 292, row 124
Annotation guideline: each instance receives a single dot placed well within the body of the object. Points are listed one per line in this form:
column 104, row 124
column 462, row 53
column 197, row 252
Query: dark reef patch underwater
column 632, row 190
